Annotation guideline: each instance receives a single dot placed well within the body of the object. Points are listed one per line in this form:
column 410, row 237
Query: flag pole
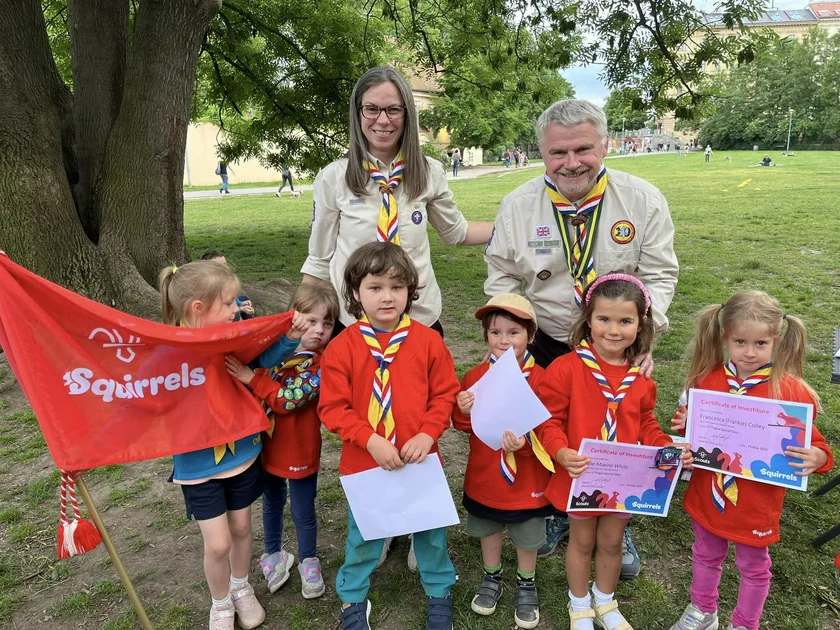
column 115, row 558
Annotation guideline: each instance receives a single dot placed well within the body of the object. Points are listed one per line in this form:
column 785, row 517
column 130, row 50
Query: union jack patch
column 543, row 231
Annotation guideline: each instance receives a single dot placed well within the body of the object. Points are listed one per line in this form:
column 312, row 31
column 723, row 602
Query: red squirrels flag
column 110, row 388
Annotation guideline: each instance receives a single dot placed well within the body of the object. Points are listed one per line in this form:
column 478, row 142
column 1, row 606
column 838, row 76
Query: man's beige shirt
column 342, row 222
column 635, row 234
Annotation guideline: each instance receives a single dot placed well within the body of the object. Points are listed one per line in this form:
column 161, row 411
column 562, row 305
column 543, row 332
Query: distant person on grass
column 708, row 152
column 286, row 173
column 764, row 356
column 222, row 171
column 557, row 232
column 246, row 308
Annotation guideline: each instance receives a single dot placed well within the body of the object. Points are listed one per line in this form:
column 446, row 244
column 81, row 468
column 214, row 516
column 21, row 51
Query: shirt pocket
column 414, row 223
column 625, row 259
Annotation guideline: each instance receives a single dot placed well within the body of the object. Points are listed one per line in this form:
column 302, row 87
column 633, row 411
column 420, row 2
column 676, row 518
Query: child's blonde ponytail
column 707, row 352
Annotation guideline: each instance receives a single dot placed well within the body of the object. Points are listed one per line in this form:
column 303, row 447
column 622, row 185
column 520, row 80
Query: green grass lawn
column 774, row 229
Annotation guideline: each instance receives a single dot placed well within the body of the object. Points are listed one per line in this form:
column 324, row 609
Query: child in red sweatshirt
column 293, row 449
column 506, row 489
column 389, row 386
column 765, row 359
column 597, row 392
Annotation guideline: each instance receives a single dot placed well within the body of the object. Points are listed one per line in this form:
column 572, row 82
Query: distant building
column 789, row 24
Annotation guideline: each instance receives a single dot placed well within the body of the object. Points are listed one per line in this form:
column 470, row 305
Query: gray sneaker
column 630, row 563
column 731, row 627
column 487, row 596
column 693, row 619
column 311, row 583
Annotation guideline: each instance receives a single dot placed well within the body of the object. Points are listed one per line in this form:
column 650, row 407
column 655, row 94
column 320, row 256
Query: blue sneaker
column 356, row 616
column 440, row 613
column 556, row 529
column 630, row 563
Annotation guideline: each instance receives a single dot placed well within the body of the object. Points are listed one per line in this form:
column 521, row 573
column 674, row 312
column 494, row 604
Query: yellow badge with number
column 623, row 232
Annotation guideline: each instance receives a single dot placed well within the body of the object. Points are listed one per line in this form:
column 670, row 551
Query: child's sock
column 612, row 619
column 582, row 603
column 526, row 579
column 221, row 603
column 493, row 572
column 237, row 583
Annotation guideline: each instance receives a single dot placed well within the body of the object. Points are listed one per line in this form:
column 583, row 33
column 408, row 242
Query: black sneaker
column 487, row 595
column 356, row 616
column 527, row 611
column 556, row 529
column 440, row 613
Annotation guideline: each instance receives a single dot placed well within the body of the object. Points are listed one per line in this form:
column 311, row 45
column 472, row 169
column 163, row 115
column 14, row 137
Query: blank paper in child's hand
column 505, row 402
column 411, row 499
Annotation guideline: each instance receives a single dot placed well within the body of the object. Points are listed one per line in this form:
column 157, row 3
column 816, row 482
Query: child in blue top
column 221, row 483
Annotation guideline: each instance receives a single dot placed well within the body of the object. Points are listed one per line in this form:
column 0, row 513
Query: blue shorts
column 215, row 497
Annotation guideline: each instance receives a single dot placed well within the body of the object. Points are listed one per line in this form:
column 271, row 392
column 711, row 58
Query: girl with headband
column 594, row 393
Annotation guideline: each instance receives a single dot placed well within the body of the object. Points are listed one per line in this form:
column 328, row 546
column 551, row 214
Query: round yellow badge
column 623, row 232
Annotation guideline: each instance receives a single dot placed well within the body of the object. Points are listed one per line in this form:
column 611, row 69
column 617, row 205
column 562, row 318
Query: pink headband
column 619, row 276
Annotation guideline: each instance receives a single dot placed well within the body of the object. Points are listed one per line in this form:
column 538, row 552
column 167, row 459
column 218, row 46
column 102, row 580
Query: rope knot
column 386, row 189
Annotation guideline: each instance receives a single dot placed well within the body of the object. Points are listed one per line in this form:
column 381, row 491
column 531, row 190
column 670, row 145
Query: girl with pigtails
column 765, row 353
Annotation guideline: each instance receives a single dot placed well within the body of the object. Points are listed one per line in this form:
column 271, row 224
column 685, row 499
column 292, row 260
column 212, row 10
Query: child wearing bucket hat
column 504, row 489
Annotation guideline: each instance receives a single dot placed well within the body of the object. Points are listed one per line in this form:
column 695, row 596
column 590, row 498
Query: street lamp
column 790, row 121
column 622, row 127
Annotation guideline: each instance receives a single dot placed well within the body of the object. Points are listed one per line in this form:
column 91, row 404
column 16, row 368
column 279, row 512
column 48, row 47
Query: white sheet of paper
column 411, row 499
column 505, row 402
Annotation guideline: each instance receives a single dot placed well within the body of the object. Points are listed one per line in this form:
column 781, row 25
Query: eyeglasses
column 393, row 112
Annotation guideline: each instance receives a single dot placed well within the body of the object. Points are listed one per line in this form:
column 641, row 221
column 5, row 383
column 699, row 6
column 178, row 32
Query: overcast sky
column 585, row 79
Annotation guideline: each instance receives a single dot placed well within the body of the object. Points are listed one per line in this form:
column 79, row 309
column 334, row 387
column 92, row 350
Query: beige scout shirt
column 342, row 222
column 635, row 234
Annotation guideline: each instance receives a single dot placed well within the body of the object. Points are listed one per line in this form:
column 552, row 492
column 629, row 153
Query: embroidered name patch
column 417, row 217
column 544, row 275
column 543, row 231
column 623, row 232
column 356, row 201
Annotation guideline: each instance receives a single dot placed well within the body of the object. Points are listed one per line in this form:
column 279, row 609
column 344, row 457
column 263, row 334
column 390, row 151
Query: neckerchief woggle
column 724, row 486
column 379, row 408
column 300, row 382
column 388, row 224
column 507, row 462
column 579, row 250
column 609, row 430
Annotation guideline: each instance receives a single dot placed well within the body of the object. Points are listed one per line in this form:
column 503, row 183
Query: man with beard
column 556, row 233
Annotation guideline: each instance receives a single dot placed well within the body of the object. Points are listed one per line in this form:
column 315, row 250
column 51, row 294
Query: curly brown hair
column 378, row 259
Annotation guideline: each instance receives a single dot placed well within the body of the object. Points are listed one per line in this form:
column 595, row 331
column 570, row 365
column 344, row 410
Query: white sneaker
column 385, row 548
column 277, row 194
column 412, row 558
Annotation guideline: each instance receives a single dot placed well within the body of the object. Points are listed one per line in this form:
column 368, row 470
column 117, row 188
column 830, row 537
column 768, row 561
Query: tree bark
column 98, row 47
column 38, row 224
column 140, row 194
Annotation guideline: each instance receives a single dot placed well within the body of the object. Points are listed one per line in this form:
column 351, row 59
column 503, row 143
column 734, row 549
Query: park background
column 91, row 197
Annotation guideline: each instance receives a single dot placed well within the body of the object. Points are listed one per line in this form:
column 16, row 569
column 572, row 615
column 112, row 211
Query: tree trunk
column 39, row 228
column 99, row 48
column 141, row 192
column 130, row 133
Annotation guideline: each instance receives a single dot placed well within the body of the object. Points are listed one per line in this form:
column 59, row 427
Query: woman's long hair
column 416, row 175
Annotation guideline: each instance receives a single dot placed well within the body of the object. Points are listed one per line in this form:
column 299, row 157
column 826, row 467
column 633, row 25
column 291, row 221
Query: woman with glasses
column 385, row 189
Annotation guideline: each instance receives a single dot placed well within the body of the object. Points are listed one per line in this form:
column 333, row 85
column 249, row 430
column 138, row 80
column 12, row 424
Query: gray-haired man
column 557, row 232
